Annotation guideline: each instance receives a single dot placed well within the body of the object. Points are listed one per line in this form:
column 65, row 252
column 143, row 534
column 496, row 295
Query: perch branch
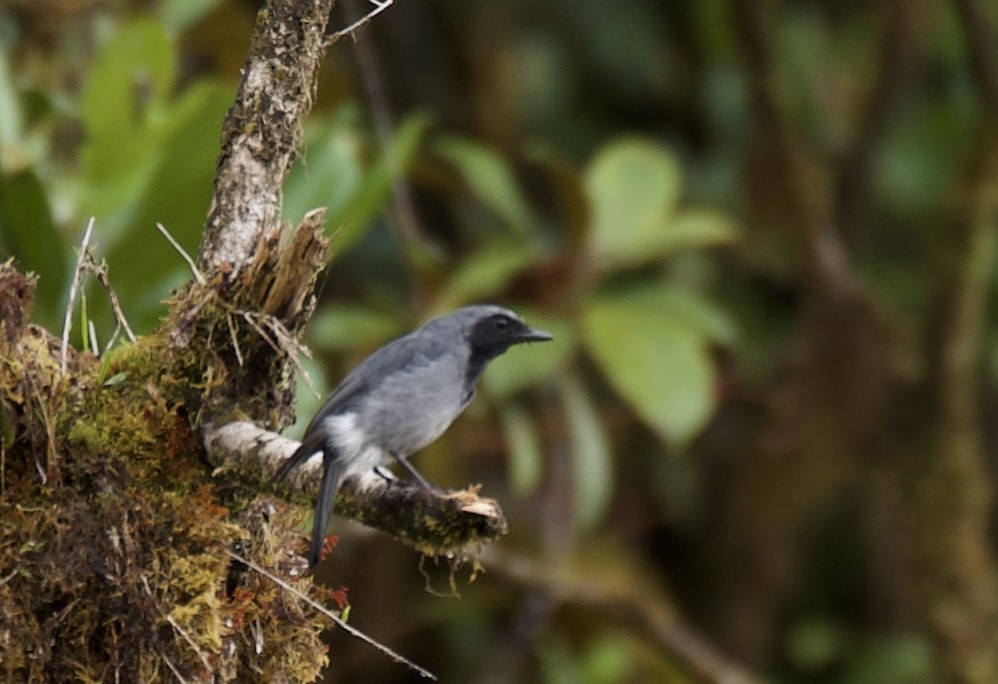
column 449, row 523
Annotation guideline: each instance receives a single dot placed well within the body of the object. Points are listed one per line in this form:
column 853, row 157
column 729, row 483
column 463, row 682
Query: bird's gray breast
column 414, row 405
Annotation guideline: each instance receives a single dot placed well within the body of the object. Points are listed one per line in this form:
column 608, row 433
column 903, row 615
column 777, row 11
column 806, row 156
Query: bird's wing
column 390, row 359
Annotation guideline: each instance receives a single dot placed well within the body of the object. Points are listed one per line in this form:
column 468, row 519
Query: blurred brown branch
column 903, row 52
column 637, row 608
column 800, row 179
column 955, row 496
column 981, row 48
column 849, row 375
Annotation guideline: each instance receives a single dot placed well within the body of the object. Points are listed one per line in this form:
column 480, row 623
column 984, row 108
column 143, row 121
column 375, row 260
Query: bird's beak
column 534, row 335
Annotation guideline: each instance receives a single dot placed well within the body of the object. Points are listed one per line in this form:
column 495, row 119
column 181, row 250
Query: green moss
column 114, row 560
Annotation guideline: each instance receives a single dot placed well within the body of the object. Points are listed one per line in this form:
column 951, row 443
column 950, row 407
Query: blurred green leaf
column 129, row 82
column 697, row 228
column 899, row 660
column 489, row 176
column 345, row 328
column 525, row 457
column 657, row 361
column 28, row 233
column 536, row 362
column 179, row 14
column 307, row 403
column 329, row 170
column 143, row 265
column 923, row 155
column 10, row 115
column 368, row 200
column 565, row 185
column 485, row 273
column 816, row 643
column 685, row 308
column 609, row 659
column 592, row 462
column 558, row 663
column 633, row 186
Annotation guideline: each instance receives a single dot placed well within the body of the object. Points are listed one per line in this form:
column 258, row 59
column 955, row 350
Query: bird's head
column 491, row 330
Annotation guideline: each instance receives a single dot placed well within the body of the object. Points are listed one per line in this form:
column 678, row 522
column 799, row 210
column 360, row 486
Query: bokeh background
column 763, row 233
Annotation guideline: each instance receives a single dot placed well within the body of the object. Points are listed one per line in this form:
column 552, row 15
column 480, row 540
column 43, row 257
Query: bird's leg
column 415, row 473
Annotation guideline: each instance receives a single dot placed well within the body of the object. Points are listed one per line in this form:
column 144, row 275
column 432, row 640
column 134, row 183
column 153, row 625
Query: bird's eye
column 502, row 325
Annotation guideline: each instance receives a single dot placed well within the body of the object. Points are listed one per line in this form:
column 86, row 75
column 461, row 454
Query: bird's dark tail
column 310, row 445
column 332, row 473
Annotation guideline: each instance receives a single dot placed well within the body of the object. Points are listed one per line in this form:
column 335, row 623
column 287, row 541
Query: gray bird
column 402, row 398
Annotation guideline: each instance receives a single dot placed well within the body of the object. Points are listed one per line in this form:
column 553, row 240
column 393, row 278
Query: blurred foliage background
column 763, row 235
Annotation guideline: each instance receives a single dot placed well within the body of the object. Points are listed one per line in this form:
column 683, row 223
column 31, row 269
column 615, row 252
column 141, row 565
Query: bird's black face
column 493, row 335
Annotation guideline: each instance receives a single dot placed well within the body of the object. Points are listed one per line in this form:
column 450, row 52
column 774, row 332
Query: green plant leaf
column 692, row 228
column 816, row 643
column 11, row 131
column 177, row 15
column 905, row 659
column 658, row 362
column 633, row 186
column 525, row 457
column 28, row 233
column 609, row 658
column 306, row 401
column 329, row 170
column 592, row 463
column 143, row 265
column 345, row 327
column 130, row 80
column 489, row 176
column 486, row 273
column 355, row 216
column 533, row 363
column 683, row 308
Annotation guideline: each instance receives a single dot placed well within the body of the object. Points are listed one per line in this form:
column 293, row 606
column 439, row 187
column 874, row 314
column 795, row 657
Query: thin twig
column 100, row 271
column 248, row 317
column 12, row 575
column 198, row 276
column 73, row 289
column 379, row 7
column 284, row 343
column 176, row 626
column 173, row 668
column 235, row 340
column 292, row 348
column 372, row 78
column 332, row 616
column 189, row 640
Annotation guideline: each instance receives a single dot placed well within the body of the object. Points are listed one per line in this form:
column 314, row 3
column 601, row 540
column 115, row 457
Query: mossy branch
column 440, row 523
column 263, row 130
